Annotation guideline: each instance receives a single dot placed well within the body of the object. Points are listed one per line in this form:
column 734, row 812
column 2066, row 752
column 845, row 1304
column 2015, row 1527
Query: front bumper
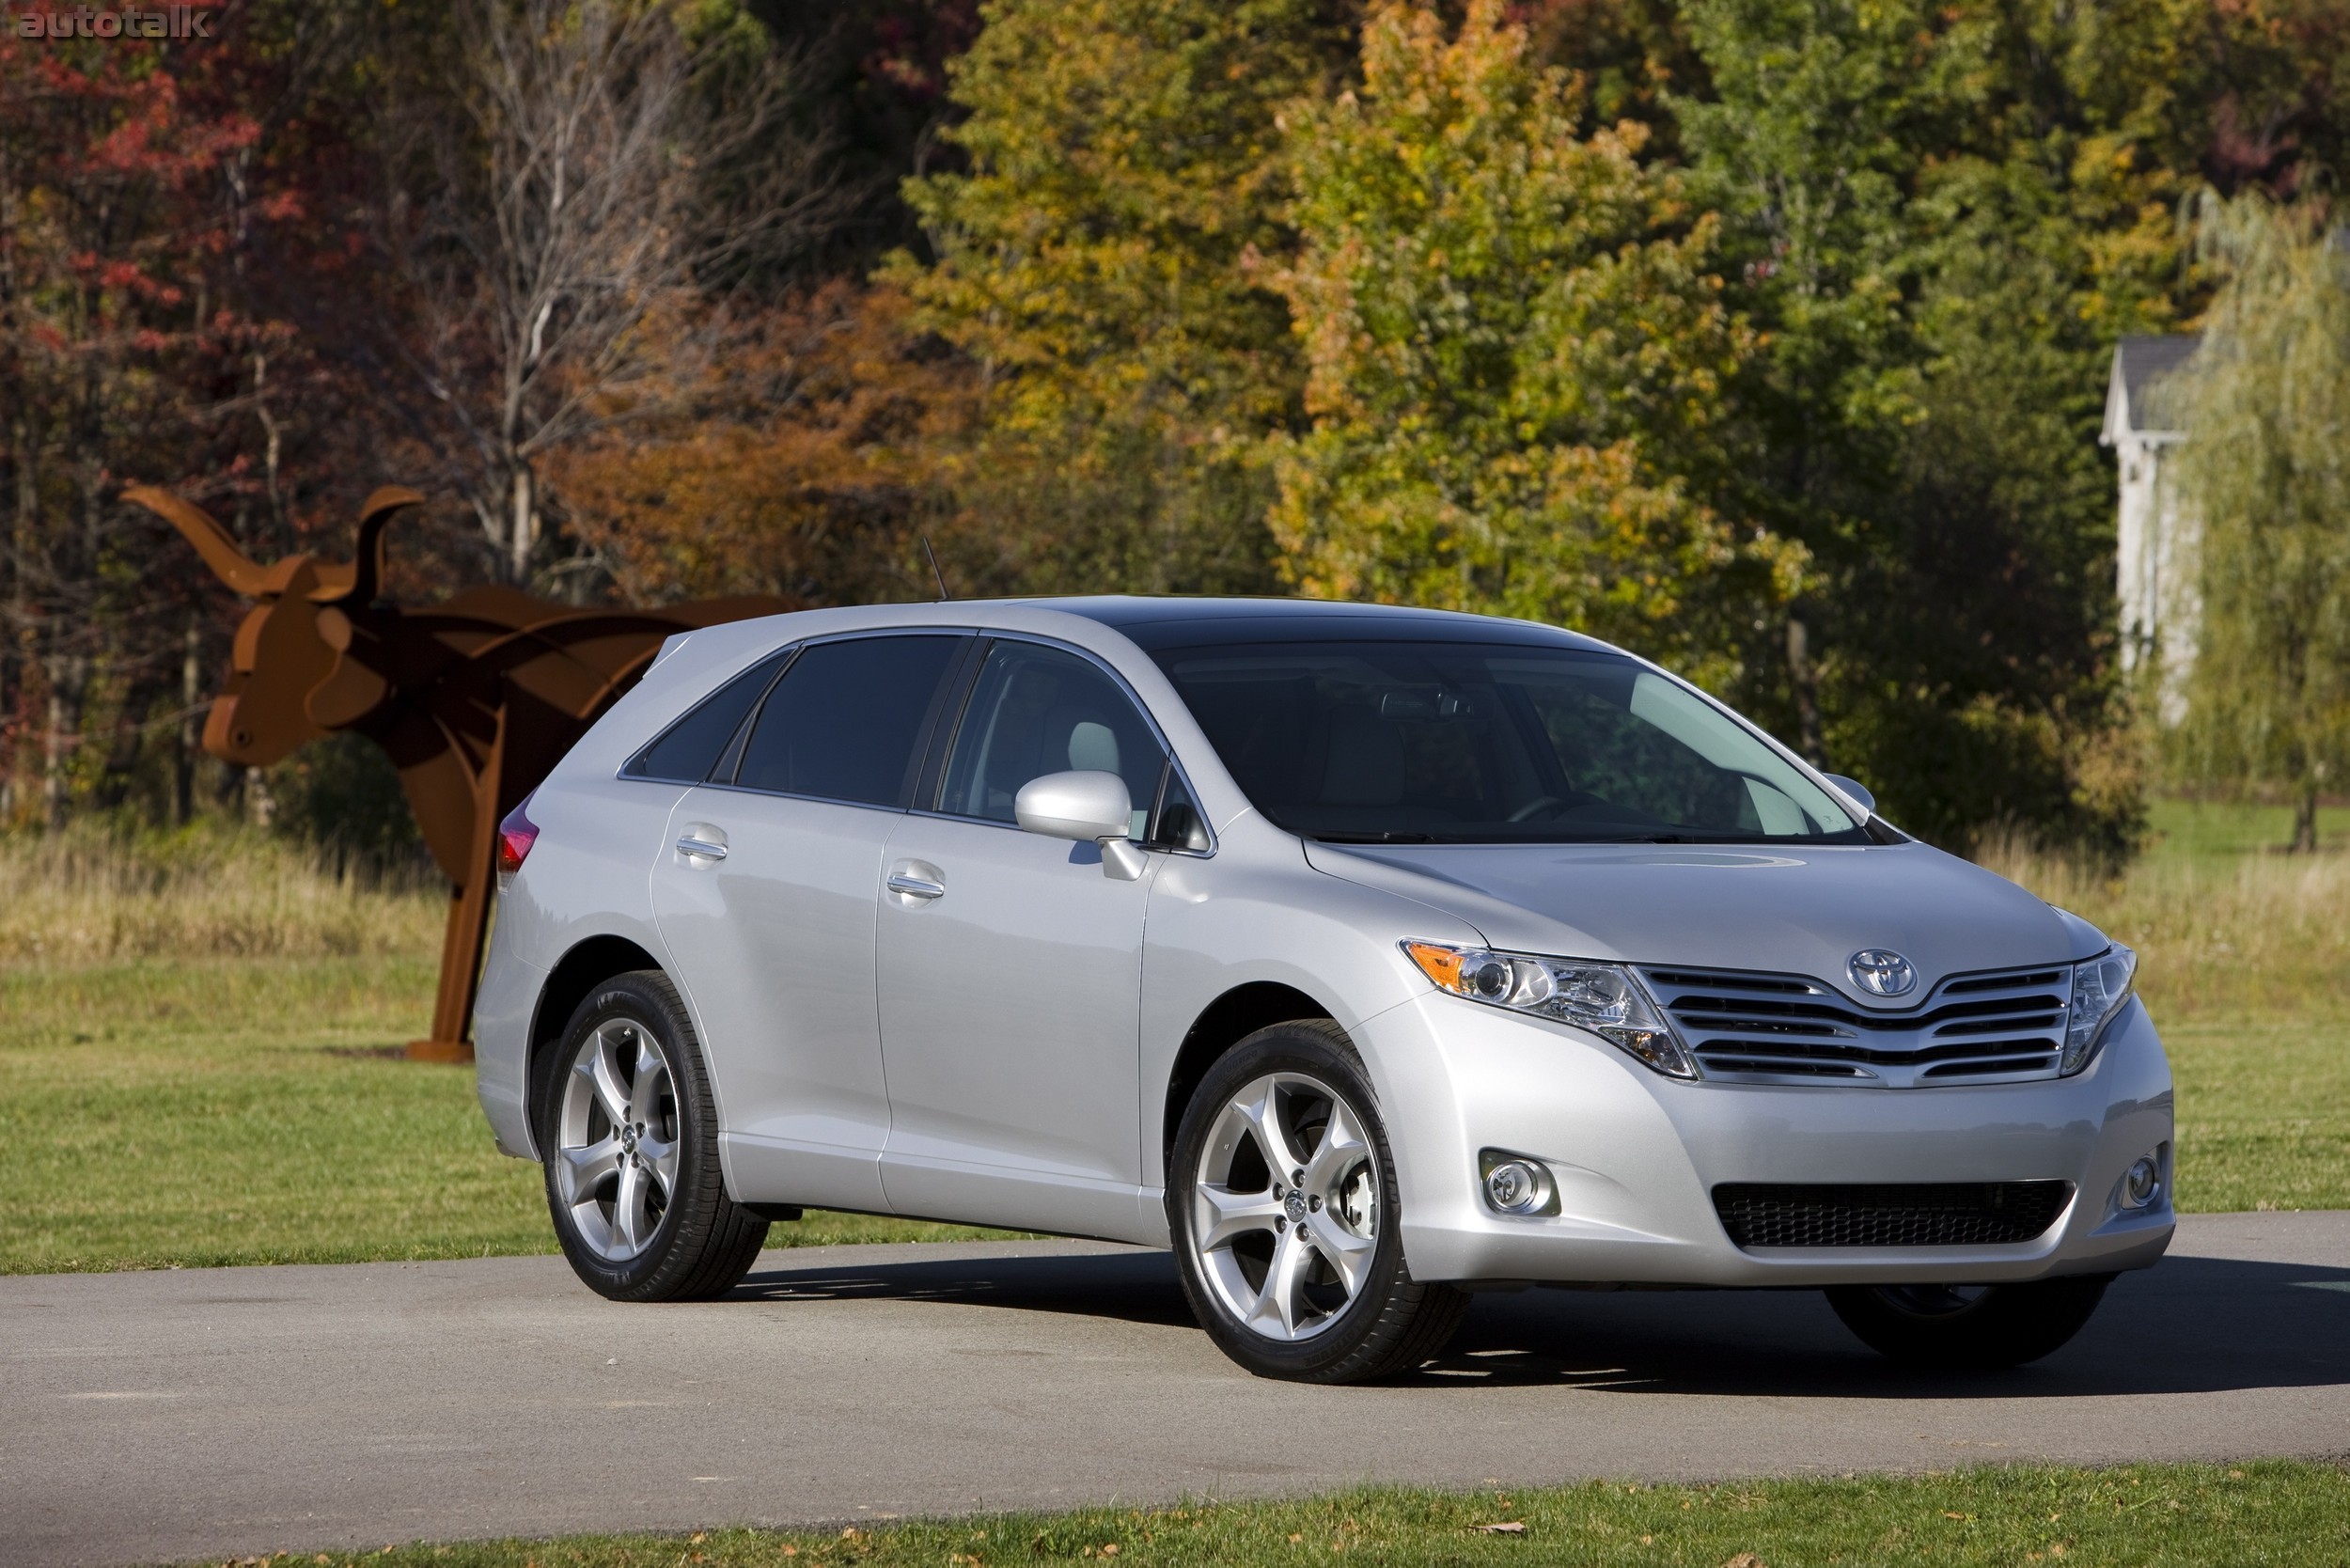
column 1637, row 1155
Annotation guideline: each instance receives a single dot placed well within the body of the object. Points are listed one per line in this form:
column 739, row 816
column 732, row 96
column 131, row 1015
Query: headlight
column 2100, row 988
column 1603, row 998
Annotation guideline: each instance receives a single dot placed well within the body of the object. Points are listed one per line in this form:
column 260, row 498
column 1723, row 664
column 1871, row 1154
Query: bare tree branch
column 606, row 183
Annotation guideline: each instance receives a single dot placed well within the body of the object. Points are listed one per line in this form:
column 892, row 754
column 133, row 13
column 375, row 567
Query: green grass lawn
column 165, row 1112
column 2218, row 829
column 2264, row 1114
column 258, row 1111
column 2191, row 1516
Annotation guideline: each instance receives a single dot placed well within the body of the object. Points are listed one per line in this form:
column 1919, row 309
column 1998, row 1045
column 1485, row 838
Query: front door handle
column 917, row 886
column 701, row 848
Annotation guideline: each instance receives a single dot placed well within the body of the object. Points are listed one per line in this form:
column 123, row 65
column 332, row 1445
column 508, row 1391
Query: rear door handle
column 704, row 849
column 917, row 886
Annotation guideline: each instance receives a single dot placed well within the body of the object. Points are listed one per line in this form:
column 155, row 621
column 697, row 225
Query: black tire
column 1947, row 1329
column 1391, row 1322
column 702, row 1242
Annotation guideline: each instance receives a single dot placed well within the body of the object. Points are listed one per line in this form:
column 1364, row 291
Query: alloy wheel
column 1285, row 1206
column 616, row 1156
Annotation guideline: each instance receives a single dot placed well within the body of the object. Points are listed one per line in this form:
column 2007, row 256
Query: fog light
column 1517, row 1184
column 1512, row 1185
column 2143, row 1182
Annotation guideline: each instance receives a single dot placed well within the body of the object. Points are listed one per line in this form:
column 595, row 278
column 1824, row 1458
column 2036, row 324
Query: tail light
column 516, row 834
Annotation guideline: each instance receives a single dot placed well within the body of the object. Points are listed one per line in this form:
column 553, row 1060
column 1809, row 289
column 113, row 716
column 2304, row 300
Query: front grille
column 1919, row 1214
column 1789, row 1028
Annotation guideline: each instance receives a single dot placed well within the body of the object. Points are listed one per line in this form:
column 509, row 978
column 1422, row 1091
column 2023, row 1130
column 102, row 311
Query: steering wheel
column 1539, row 803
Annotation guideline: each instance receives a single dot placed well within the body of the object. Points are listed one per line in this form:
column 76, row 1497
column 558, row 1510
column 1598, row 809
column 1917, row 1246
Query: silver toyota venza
column 1367, row 957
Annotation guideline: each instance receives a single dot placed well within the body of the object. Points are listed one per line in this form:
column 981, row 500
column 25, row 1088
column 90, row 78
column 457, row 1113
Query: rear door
column 766, row 897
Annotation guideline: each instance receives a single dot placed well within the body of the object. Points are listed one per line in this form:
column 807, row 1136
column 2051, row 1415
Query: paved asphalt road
column 169, row 1416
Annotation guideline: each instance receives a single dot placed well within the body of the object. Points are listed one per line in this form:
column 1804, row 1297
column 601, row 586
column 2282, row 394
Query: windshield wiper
column 1375, row 838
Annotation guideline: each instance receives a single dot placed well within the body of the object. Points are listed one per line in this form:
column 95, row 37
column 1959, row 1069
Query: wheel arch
column 1232, row 1018
column 586, row 965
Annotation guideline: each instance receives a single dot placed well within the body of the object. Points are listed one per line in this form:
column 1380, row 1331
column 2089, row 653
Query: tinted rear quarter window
column 844, row 721
column 689, row 749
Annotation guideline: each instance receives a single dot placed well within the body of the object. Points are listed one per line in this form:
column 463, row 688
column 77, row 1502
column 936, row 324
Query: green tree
column 1516, row 355
column 1939, row 215
column 2267, row 473
column 1124, row 163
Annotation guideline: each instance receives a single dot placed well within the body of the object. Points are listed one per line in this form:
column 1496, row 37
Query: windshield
column 1435, row 742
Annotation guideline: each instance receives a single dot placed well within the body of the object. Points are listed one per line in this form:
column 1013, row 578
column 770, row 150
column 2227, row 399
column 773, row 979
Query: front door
column 766, row 893
column 1011, row 966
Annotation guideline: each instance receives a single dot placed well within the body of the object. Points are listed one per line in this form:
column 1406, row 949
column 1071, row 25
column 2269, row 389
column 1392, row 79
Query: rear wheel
column 629, row 1132
column 1284, row 1210
column 1969, row 1327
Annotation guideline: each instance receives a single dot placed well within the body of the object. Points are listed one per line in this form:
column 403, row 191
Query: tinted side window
column 689, row 749
column 1036, row 710
column 843, row 722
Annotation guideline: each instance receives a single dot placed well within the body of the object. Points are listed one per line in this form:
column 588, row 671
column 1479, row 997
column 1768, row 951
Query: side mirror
column 1084, row 803
column 1854, row 788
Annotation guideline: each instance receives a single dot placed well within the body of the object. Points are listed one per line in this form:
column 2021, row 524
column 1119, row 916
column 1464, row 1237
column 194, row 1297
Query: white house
column 2155, row 554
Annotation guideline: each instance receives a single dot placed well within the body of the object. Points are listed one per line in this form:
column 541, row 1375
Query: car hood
column 1798, row 910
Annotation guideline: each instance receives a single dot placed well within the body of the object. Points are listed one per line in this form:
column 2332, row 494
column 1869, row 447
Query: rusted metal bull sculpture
column 475, row 698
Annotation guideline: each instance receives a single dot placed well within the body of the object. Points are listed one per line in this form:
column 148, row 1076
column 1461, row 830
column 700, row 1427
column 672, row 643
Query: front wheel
column 1283, row 1204
column 1969, row 1327
column 629, row 1133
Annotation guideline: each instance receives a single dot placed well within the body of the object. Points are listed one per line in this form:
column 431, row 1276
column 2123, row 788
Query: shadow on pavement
column 2189, row 1325
column 1132, row 1286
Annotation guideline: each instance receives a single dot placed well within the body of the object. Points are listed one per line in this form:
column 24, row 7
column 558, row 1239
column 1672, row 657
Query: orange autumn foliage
column 806, row 461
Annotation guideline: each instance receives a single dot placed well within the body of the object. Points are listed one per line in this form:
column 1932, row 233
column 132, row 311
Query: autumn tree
column 570, row 204
column 146, row 188
column 1516, row 352
column 808, row 465
column 1093, row 261
column 2266, row 477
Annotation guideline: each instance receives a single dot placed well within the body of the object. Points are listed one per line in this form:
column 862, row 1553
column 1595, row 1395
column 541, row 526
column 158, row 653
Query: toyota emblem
column 1882, row 972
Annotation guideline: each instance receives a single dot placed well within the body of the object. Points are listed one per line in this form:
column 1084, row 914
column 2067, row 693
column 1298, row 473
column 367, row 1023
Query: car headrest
column 1093, row 745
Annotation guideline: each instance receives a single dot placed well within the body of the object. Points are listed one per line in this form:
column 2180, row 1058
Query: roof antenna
column 942, row 594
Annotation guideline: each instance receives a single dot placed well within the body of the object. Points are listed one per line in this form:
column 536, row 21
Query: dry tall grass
column 90, row 897
column 2252, row 936
column 2243, row 935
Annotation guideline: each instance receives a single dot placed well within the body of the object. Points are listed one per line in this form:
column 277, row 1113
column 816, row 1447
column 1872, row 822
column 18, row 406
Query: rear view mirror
column 1082, row 804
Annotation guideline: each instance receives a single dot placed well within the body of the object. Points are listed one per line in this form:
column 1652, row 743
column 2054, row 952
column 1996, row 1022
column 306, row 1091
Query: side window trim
column 927, row 768
column 1171, row 777
column 722, row 772
column 1158, row 799
column 949, row 731
column 730, row 762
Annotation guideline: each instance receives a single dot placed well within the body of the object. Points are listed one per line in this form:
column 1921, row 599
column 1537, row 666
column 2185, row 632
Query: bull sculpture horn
column 359, row 582
column 220, row 550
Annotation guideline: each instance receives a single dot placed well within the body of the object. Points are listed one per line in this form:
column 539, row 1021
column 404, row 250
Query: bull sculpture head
column 473, row 699
column 302, row 662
